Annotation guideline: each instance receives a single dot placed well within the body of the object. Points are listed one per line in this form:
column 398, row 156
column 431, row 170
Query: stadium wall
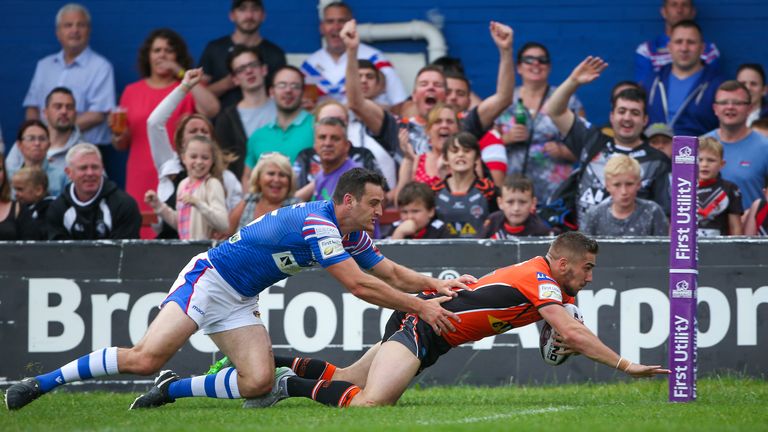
column 61, row 300
column 571, row 29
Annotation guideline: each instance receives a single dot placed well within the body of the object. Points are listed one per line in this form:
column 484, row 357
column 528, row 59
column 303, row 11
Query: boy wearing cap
column 660, row 137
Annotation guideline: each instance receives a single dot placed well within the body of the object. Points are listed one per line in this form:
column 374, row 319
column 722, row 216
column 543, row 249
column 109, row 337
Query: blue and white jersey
column 286, row 241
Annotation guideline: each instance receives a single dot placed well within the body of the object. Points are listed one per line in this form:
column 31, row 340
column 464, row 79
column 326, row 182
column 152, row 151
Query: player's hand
column 637, row 370
column 448, row 287
column 466, row 278
column 438, row 317
column 349, row 35
column 564, row 348
column 502, row 35
column 588, row 70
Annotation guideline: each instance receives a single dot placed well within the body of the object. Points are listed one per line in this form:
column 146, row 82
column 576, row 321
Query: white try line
column 469, row 420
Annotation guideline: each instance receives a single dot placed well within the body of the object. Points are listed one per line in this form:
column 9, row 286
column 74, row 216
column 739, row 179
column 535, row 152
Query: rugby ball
column 549, row 352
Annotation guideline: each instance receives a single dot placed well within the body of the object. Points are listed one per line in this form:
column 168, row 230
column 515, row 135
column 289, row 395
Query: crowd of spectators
column 214, row 147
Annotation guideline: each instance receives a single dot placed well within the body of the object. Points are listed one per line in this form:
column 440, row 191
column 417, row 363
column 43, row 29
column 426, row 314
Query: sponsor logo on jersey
column 330, row 247
column 286, row 263
column 200, row 311
column 541, row 276
column 499, row 326
column 548, row 291
column 325, row 231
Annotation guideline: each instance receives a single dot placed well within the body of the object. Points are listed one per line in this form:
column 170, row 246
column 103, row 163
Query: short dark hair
column 457, row 76
column 289, row 67
column 353, row 182
column 733, row 85
column 238, row 50
column 174, row 40
column 416, row 191
column 463, row 140
column 60, row 89
column 338, row 4
column 518, row 182
column 449, row 64
column 624, row 83
column 687, row 24
column 237, row 3
column 529, row 45
column 757, row 67
column 630, row 94
column 573, row 244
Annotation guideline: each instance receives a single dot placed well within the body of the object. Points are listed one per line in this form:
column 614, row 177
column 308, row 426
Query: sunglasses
column 532, row 59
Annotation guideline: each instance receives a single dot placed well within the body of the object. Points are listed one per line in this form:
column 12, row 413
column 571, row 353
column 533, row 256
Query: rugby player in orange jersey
column 513, row 296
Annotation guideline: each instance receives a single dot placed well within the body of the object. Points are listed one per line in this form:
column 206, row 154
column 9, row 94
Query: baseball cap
column 236, row 3
column 658, row 129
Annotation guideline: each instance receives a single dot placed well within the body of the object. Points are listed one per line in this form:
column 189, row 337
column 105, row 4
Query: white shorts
column 209, row 300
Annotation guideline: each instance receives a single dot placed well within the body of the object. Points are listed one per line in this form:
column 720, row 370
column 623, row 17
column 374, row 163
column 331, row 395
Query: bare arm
column 734, row 225
column 221, row 86
column 205, row 102
column 88, row 120
column 375, row 291
column 371, row 114
column 750, row 224
column 580, row 339
column 408, row 280
column 492, row 106
column 557, row 106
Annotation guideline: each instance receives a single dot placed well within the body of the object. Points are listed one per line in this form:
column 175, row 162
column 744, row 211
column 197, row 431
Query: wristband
column 626, row 369
column 186, row 86
column 181, row 73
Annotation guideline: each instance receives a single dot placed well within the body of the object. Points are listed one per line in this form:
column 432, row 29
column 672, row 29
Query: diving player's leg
column 318, row 369
column 392, row 369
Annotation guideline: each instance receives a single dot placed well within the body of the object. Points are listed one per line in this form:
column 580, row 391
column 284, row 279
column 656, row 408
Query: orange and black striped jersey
column 508, row 298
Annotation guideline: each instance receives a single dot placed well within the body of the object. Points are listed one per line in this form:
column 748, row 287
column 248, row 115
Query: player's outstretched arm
column 410, row 281
column 376, row 291
column 580, row 339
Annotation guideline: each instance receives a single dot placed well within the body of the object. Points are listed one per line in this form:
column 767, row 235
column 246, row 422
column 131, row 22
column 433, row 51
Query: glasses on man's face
column 731, row 102
column 282, row 85
column 533, row 59
column 32, row 138
column 252, row 65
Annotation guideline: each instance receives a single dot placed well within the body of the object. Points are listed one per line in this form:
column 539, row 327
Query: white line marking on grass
column 494, row 417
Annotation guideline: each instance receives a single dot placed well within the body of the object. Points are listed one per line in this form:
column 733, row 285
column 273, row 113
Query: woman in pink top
column 163, row 58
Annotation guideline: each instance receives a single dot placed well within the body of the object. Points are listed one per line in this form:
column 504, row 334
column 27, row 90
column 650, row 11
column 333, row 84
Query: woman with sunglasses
column 535, row 149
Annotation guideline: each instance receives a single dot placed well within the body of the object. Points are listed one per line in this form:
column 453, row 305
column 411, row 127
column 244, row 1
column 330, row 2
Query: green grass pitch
column 724, row 404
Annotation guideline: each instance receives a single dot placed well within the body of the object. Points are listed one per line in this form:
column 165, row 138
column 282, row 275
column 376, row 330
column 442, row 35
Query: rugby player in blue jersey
column 217, row 293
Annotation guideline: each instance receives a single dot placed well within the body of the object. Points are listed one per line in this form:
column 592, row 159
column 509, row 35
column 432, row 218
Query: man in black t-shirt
column 628, row 118
column 247, row 15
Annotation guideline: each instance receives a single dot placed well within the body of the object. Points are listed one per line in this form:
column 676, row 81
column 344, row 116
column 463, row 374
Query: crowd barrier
column 61, row 300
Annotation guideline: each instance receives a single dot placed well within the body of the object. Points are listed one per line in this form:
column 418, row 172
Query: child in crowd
column 464, row 200
column 757, row 217
column 200, row 199
column 416, row 202
column 517, row 216
column 719, row 201
column 624, row 214
column 31, row 187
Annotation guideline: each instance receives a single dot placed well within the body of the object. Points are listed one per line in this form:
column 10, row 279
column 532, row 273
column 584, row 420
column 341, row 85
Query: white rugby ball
column 549, row 352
